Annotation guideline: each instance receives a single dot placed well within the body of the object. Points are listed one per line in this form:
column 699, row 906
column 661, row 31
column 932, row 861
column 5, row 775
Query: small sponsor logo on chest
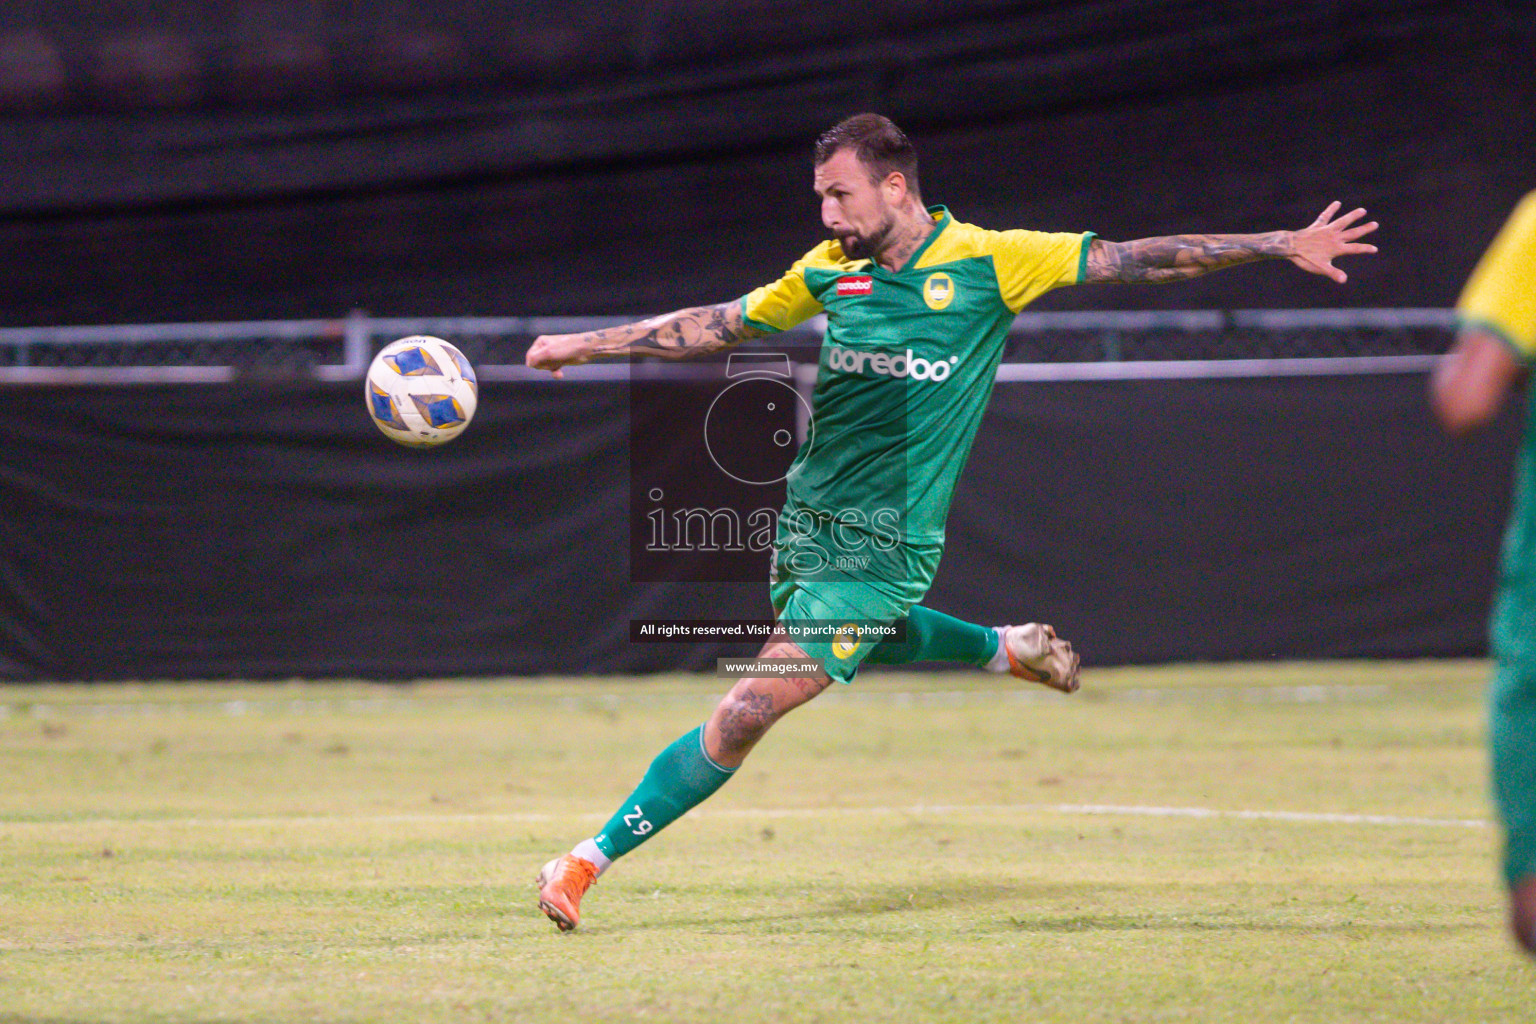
column 859, row 285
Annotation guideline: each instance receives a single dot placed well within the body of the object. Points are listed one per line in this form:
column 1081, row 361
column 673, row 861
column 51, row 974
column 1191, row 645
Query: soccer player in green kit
column 1495, row 342
column 918, row 308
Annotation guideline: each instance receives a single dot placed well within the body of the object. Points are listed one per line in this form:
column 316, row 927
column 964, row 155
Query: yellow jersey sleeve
column 788, row 301
column 1031, row 263
column 1501, row 293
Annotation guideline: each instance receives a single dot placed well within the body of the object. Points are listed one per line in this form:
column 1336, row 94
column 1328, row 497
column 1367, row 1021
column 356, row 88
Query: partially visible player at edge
column 906, row 282
column 1495, row 342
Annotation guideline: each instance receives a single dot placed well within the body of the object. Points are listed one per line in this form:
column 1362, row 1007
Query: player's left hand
column 1317, row 245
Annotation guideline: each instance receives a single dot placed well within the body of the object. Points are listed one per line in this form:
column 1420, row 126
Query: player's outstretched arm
column 680, row 335
column 1181, row 257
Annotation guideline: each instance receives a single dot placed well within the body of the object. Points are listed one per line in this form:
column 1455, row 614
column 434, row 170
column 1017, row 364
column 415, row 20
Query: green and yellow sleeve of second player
column 1500, row 296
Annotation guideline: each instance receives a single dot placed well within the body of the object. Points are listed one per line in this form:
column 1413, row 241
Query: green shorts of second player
column 815, row 582
column 1512, row 718
column 1512, row 743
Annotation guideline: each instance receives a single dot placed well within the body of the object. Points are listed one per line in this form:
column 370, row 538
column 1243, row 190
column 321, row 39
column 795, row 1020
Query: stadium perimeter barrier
column 210, row 501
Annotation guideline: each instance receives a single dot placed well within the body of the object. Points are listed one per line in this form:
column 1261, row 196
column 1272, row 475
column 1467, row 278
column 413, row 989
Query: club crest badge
column 938, row 291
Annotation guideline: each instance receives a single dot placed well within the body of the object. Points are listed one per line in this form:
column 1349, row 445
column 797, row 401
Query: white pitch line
column 1316, row 693
column 912, row 810
column 1317, row 817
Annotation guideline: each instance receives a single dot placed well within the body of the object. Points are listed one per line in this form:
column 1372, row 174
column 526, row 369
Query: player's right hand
column 552, row 351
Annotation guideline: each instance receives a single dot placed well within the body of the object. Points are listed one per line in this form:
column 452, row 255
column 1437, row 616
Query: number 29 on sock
column 637, row 823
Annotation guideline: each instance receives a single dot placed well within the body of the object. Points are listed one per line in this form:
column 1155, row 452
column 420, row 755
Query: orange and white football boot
column 1037, row 654
column 561, row 884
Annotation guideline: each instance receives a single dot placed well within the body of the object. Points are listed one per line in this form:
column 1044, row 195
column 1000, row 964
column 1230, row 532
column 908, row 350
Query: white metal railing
column 351, row 341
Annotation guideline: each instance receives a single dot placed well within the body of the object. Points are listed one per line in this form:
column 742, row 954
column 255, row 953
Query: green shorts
column 841, row 589
column 1512, row 743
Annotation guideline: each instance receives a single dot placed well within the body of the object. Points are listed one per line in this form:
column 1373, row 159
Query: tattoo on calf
column 746, row 720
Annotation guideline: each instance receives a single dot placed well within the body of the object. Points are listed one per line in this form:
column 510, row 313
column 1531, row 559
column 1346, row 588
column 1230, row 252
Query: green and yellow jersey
column 1500, row 297
column 907, row 366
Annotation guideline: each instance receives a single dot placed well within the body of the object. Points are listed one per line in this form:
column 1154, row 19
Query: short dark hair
column 878, row 143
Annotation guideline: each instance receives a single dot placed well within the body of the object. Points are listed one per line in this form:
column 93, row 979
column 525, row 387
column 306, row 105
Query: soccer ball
column 421, row 391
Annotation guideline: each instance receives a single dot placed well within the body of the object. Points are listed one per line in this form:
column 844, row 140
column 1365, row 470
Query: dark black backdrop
column 234, row 159
column 240, row 159
column 269, row 531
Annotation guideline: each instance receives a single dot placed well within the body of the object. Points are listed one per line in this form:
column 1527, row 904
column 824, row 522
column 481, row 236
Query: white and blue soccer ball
column 421, row 391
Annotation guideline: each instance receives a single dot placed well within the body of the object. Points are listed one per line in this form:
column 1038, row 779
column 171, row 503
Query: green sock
column 681, row 777
column 934, row 636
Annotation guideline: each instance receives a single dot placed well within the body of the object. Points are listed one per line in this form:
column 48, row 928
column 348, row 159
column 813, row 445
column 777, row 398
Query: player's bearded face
column 854, row 207
column 860, row 245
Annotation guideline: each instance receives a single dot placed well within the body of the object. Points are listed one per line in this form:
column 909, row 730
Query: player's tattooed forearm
column 1179, row 257
column 688, row 332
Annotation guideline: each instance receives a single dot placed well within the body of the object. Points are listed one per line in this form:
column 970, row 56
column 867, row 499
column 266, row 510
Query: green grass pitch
column 1221, row 843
